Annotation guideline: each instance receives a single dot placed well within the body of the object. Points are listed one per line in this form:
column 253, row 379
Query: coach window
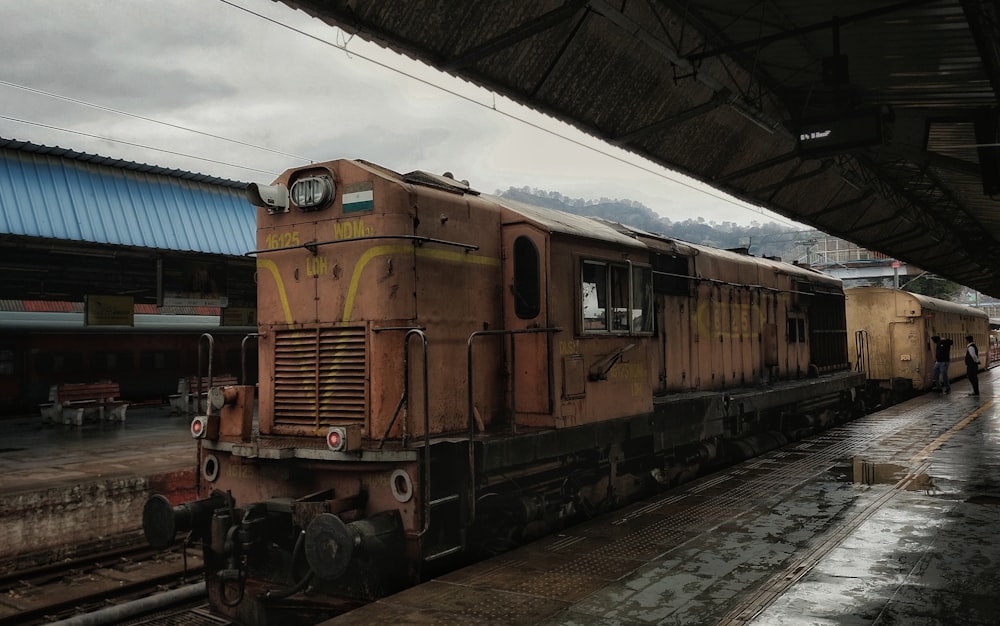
column 59, row 363
column 526, row 290
column 150, row 360
column 796, row 330
column 111, row 362
column 7, row 362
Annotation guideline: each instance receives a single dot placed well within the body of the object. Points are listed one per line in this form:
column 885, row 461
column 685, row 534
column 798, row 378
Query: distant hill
column 770, row 239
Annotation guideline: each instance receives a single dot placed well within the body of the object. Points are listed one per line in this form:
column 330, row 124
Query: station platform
column 62, row 485
column 893, row 518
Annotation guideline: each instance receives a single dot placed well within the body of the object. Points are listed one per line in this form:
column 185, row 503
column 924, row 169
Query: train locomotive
column 445, row 374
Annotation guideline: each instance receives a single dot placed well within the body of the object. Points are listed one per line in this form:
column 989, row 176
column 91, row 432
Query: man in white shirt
column 972, row 365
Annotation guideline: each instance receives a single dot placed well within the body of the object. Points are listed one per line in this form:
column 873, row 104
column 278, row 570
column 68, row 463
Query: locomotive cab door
column 525, row 268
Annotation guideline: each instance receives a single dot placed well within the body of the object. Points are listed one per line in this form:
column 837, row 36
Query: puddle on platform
column 867, row 472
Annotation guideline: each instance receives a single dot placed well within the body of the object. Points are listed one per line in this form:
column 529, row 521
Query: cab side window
column 615, row 299
column 595, row 296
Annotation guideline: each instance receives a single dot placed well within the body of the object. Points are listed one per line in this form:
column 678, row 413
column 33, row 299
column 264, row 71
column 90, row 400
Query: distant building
column 855, row 265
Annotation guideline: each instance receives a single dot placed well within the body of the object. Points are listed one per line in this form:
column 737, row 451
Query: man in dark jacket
column 972, row 365
column 942, row 357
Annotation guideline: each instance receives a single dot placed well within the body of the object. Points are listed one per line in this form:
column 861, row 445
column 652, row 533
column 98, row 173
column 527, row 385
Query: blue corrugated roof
column 62, row 194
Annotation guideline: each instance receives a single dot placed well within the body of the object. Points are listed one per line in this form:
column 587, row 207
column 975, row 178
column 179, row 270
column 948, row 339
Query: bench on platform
column 187, row 389
column 70, row 403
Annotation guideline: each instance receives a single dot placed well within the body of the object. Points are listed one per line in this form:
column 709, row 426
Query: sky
column 244, row 89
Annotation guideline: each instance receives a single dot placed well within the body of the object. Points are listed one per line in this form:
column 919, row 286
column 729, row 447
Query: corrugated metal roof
column 57, row 193
column 59, row 306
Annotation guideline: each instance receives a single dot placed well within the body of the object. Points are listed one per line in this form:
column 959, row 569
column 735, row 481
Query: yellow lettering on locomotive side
column 567, row 348
column 709, row 316
column 284, row 239
column 240, row 471
column 378, row 480
column 352, row 230
column 627, row 371
column 317, row 265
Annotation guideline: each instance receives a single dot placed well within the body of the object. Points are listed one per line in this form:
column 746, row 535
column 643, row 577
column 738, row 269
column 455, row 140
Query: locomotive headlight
column 336, row 438
column 274, row 197
column 313, row 193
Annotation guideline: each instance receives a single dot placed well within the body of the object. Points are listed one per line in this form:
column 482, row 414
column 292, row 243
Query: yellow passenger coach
column 889, row 337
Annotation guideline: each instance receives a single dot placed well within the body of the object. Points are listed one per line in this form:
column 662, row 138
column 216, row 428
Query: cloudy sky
column 244, row 89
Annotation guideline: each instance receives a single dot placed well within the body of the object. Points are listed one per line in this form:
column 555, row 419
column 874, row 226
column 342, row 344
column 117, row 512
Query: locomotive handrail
column 243, row 355
column 861, row 349
column 404, row 398
column 472, row 408
column 211, row 351
column 426, row 482
column 312, row 246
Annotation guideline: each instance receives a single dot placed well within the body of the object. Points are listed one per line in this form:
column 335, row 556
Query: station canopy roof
column 876, row 122
column 63, row 195
column 74, row 224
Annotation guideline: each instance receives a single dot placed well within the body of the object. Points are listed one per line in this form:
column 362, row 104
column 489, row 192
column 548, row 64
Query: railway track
column 85, row 583
column 61, row 590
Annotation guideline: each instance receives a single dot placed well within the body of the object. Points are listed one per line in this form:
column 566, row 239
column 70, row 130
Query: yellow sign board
column 108, row 310
column 236, row 316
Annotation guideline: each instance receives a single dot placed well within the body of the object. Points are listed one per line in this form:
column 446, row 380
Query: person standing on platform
column 972, row 365
column 942, row 358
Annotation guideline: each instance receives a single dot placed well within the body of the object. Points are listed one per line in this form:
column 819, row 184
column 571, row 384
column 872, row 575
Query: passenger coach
column 891, row 332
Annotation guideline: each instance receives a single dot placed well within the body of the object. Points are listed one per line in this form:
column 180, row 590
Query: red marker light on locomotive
column 336, row 439
column 198, row 427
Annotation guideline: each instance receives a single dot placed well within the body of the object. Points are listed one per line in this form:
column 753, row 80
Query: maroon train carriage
column 45, row 348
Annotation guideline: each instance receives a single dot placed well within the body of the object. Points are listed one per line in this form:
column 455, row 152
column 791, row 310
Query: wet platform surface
column 892, row 519
column 34, row 456
column 66, row 487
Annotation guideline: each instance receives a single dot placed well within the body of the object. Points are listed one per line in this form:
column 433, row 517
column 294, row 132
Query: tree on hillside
column 928, row 284
column 769, row 239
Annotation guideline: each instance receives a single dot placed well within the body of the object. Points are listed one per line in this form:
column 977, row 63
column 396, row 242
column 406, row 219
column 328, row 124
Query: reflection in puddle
column 867, row 472
column 984, row 500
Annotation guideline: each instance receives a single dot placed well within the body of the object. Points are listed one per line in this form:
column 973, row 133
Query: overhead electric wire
column 706, row 190
column 549, row 131
column 154, row 121
column 130, row 143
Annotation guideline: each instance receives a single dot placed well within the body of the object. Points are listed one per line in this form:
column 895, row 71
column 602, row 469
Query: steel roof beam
column 516, row 35
column 795, row 32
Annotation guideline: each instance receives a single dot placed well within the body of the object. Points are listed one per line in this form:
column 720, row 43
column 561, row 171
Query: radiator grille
column 319, row 376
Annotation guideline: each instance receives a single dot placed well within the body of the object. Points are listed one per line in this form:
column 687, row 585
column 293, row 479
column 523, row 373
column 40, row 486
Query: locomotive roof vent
column 445, row 182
